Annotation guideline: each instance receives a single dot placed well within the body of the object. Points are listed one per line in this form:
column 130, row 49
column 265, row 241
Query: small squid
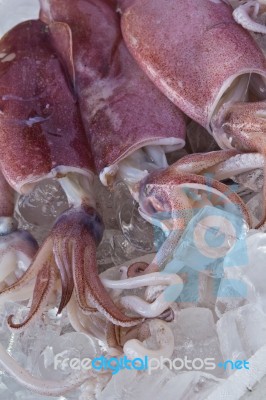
column 42, row 136
column 129, row 123
column 205, row 63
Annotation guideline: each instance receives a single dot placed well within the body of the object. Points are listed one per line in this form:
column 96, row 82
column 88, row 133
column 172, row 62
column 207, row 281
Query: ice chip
column 196, row 337
column 247, row 327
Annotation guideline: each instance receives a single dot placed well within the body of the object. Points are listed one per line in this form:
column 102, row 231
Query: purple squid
column 209, row 64
column 42, row 136
column 205, row 63
column 129, row 123
column 124, row 115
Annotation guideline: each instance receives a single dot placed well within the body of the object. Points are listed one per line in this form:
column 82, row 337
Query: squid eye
column 151, row 208
column 154, row 206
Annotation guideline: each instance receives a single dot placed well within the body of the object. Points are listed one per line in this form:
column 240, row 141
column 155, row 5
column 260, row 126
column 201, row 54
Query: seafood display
column 215, row 90
column 96, row 101
column 108, row 99
column 218, row 82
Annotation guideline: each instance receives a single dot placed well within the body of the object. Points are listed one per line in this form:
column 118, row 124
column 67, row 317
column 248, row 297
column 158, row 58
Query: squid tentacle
column 84, row 264
column 45, row 283
column 38, row 385
column 140, row 306
column 71, row 247
column 242, row 16
column 62, row 251
column 159, row 197
column 31, row 273
column 79, row 282
column 82, row 322
column 135, row 348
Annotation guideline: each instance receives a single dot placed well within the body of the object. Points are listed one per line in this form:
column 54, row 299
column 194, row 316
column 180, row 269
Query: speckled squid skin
column 40, row 124
column 122, row 110
column 6, row 198
column 189, row 49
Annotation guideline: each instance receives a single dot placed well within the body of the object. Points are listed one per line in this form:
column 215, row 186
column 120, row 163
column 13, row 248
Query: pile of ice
column 220, row 314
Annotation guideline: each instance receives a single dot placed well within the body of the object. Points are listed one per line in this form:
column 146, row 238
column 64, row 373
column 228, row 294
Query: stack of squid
column 100, row 88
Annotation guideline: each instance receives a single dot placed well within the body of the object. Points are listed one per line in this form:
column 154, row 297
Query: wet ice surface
column 196, row 337
column 214, row 318
column 36, row 351
column 38, row 210
column 161, row 384
column 127, row 236
column 26, row 348
column 247, row 326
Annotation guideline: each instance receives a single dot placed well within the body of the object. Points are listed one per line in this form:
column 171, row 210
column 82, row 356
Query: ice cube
column 199, row 289
column 44, row 204
column 27, row 348
column 139, row 233
column 242, row 332
column 160, row 384
column 115, row 250
column 106, row 205
column 196, row 337
column 131, row 385
column 245, row 284
column 189, row 385
column 252, row 179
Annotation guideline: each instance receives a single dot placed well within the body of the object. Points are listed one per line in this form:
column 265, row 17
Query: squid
column 209, row 70
column 130, row 125
column 42, row 136
column 207, row 67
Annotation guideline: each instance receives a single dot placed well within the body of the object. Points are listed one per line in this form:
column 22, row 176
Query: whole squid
column 205, row 63
column 129, row 123
column 42, row 136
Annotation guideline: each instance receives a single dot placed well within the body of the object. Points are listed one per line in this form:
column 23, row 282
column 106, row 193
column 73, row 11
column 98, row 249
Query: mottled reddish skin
column 192, row 47
column 32, row 80
column 121, row 109
column 198, row 163
column 144, row 113
column 75, row 237
column 34, row 84
column 6, row 198
column 170, row 178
